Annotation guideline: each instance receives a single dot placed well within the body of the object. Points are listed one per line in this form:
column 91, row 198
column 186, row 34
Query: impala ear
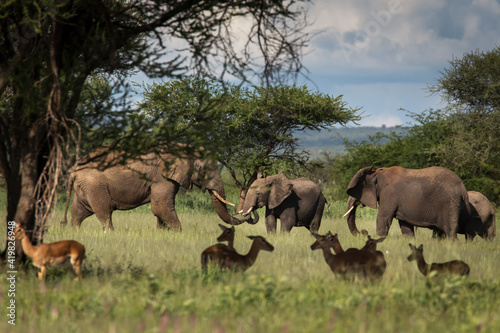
column 421, row 247
column 412, row 247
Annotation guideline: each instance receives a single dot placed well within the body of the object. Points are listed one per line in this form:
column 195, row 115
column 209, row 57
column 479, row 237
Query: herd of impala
column 364, row 263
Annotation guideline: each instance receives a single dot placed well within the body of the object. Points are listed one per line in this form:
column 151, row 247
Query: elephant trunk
column 352, row 205
column 255, row 219
column 221, row 209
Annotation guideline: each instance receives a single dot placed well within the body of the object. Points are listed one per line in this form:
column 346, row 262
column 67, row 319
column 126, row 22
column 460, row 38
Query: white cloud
column 381, row 54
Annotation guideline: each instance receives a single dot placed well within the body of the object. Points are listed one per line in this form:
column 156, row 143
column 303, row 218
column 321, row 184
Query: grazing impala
column 226, row 258
column 210, row 253
column 53, row 254
column 457, row 267
column 350, row 263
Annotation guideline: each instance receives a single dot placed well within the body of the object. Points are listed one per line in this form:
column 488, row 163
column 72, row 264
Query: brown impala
column 457, row 267
column 348, row 264
column 225, row 258
column 53, row 254
column 210, row 253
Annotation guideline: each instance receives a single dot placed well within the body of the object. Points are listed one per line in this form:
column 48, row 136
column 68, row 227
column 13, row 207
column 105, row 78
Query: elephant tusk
column 352, row 207
column 222, row 199
column 248, row 211
column 240, row 212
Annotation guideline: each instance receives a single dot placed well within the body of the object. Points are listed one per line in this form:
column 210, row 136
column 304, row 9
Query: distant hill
column 332, row 140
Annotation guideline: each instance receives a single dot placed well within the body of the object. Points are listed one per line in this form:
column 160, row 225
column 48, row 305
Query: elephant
column 482, row 222
column 433, row 198
column 298, row 202
column 153, row 177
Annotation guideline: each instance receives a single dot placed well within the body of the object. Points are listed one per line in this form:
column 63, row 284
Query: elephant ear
column 281, row 188
column 362, row 187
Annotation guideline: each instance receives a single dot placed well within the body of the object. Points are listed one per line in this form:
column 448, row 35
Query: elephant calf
column 482, row 221
column 298, row 202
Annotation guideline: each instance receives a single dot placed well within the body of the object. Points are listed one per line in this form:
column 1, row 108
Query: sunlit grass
column 140, row 279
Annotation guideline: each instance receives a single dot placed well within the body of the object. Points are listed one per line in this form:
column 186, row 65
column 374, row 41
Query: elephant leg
column 318, row 215
column 163, row 205
column 78, row 213
column 384, row 221
column 101, row 204
column 436, row 233
column 288, row 219
column 406, row 228
column 469, row 238
column 450, row 227
column 105, row 219
column 270, row 223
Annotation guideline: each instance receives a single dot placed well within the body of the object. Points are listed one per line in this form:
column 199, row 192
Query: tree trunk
column 243, row 194
column 21, row 182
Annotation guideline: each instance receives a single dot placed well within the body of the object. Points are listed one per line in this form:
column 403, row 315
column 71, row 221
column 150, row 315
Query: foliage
column 250, row 130
column 48, row 49
column 472, row 83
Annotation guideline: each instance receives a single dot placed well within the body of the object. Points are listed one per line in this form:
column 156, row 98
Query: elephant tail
column 71, row 181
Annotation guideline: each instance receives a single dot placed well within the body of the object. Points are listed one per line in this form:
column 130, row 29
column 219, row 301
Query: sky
column 382, row 54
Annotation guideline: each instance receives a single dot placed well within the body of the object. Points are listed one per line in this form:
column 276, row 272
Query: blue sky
column 381, row 54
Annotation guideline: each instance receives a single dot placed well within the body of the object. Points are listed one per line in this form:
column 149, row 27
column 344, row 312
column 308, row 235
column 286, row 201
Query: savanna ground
column 139, row 279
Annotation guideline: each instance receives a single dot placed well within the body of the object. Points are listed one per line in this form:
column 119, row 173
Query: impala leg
column 76, row 263
column 77, row 267
column 41, row 272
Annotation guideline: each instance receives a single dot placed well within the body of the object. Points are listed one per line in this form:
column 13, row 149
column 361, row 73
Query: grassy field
column 139, row 279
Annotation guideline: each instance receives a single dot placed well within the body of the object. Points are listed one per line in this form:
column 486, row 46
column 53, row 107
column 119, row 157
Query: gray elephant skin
column 433, row 198
column 298, row 202
column 151, row 178
column 482, row 222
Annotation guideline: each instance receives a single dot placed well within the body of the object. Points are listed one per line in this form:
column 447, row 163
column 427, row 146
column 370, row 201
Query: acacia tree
column 48, row 49
column 251, row 131
column 471, row 87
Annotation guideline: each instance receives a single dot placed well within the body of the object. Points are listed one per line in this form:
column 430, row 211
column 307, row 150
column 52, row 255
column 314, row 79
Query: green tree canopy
column 471, row 83
column 250, row 130
column 49, row 48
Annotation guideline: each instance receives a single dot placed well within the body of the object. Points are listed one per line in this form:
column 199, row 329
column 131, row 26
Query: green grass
column 139, row 279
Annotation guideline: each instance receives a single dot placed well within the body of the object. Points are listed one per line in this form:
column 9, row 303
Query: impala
column 457, row 267
column 225, row 258
column 210, row 253
column 53, row 254
column 350, row 263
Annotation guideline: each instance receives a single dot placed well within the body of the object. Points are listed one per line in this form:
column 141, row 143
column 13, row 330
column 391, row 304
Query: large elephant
column 151, row 178
column 298, row 202
column 433, row 198
column 482, row 222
